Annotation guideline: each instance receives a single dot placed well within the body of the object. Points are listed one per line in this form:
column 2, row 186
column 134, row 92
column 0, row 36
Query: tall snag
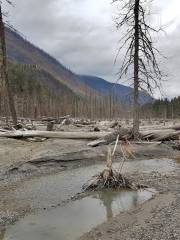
column 3, row 68
column 140, row 52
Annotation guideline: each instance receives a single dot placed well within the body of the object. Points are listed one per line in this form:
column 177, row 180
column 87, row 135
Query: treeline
column 166, row 109
column 37, row 94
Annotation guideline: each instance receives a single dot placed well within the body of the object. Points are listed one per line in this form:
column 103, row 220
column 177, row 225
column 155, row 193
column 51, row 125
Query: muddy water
column 52, row 190
column 76, row 218
column 71, row 220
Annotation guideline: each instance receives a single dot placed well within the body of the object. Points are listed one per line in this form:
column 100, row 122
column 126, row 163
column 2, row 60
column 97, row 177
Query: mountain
column 57, row 76
column 123, row 93
column 22, row 51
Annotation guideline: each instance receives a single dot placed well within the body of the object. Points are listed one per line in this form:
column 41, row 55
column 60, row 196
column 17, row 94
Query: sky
column 81, row 34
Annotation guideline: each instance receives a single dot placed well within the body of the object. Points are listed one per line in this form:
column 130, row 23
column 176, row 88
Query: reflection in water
column 122, row 200
column 39, row 193
column 69, row 222
column 2, row 234
column 107, row 200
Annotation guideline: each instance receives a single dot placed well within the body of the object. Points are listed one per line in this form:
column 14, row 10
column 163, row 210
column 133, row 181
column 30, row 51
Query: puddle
column 76, row 218
column 70, row 221
column 51, row 190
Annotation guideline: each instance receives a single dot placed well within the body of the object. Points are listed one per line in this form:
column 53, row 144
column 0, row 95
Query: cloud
column 171, row 49
column 82, row 36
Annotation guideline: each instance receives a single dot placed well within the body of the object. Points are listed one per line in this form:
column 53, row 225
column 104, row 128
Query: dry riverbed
column 31, row 173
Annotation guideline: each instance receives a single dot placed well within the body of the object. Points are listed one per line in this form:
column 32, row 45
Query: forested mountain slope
column 22, row 51
column 43, row 86
column 123, row 93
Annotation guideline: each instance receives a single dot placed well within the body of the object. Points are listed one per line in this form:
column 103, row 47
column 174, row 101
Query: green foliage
column 164, row 108
column 24, row 79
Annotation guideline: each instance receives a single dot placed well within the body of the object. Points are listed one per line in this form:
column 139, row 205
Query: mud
column 19, row 198
column 41, row 176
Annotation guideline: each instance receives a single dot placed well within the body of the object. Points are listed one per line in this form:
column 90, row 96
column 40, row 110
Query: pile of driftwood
column 110, row 178
column 100, row 136
column 149, row 136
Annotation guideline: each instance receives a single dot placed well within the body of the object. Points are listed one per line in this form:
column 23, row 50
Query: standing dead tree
column 140, row 54
column 4, row 68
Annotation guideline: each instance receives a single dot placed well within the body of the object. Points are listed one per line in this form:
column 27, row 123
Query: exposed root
column 109, row 180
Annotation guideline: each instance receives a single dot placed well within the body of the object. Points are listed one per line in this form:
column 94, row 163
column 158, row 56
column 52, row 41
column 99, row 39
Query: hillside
column 123, row 93
column 37, row 93
column 21, row 51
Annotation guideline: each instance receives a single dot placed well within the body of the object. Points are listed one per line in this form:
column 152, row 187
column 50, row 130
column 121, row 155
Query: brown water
column 72, row 220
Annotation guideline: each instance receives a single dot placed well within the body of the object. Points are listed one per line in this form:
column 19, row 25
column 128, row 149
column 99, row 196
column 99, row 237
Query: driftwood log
column 126, row 134
column 51, row 134
column 98, row 138
column 55, row 120
column 161, row 135
column 123, row 134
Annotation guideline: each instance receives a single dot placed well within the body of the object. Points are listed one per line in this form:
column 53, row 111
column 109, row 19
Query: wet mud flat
column 42, row 179
column 48, row 204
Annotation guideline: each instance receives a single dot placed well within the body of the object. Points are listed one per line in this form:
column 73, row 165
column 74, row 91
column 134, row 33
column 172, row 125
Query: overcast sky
column 81, row 34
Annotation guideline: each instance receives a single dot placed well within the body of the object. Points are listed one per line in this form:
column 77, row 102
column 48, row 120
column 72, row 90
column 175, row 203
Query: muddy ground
column 159, row 218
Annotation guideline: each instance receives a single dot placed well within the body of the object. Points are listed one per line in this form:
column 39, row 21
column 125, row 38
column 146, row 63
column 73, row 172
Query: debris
column 96, row 129
column 36, row 139
column 114, row 124
column 110, row 178
column 57, row 120
column 111, row 137
column 50, row 126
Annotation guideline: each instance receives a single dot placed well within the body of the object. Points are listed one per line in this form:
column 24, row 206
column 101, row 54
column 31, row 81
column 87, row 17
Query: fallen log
column 111, row 137
column 160, row 135
column 126, row 134
column 3, row 130
column 99, row 137
column 47, row 134
column 85, row 123
column 48, row 119
column 169, row 136
column 176, row 128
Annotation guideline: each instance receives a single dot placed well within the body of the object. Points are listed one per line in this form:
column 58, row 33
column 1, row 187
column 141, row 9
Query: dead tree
column 140, row 52
column 4, row 69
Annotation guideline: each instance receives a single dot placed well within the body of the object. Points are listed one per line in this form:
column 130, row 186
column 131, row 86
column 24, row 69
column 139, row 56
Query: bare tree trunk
column 4, row 73
column 136, row 72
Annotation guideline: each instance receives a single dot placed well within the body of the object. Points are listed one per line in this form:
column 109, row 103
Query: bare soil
column 156, row 219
